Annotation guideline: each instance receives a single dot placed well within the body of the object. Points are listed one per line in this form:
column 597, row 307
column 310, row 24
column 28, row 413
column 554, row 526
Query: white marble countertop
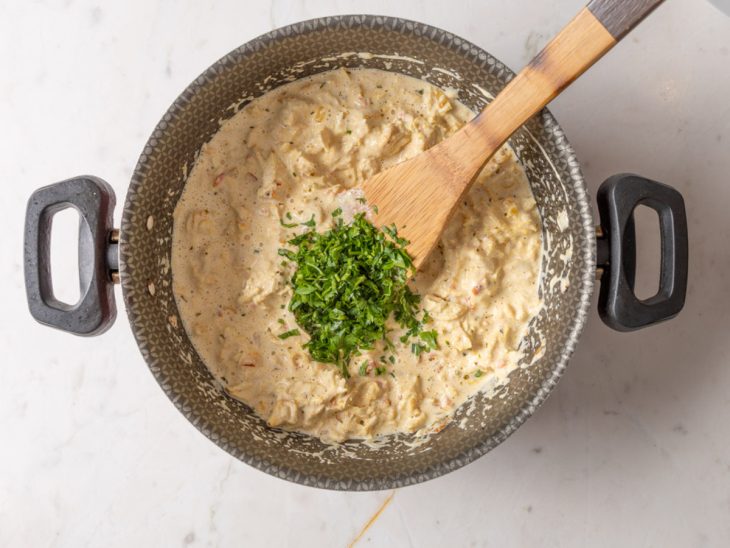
column 632, row 448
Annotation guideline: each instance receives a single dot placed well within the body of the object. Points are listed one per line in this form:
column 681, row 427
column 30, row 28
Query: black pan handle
column 98, row 261
column 618, row 306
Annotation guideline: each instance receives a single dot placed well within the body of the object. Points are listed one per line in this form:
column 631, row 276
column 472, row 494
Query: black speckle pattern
column 271, row 60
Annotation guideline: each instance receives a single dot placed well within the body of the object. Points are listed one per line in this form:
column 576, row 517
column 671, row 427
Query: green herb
column 290, row 333
column 418, row 348
column 430, row 338
column 478, row 373
column 337, row 212
column 349, row 281
column 287, row 225
column 310, row 223
column 349, row 131
column 363, row 369
column 282, row 322
column 362, row 200
column 381, row 370
column 391, row 359
column 420, row 92
column 288, row 254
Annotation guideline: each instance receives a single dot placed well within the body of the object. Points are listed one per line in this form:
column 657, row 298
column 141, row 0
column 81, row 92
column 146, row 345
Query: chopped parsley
column 290, row 333
column 349, row 281
column 310, row 223
column 418, row 348
column 429, row 337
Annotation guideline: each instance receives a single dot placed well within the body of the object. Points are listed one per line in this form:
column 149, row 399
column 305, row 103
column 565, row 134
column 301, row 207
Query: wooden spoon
column 419, row 195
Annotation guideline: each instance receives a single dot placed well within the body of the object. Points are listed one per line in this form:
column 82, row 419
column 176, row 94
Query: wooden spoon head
column 418, row 196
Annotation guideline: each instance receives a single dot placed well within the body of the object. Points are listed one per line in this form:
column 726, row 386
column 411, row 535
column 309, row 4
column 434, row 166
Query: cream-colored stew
column 295, row 150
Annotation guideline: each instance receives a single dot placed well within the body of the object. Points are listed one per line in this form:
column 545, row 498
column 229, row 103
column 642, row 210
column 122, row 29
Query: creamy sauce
column 296, row 150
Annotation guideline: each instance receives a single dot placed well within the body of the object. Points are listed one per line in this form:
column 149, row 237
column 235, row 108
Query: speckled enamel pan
column 143, row 248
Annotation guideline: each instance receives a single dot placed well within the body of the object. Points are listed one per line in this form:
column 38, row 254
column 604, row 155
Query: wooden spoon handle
column 595, row 30
column 419, row 194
